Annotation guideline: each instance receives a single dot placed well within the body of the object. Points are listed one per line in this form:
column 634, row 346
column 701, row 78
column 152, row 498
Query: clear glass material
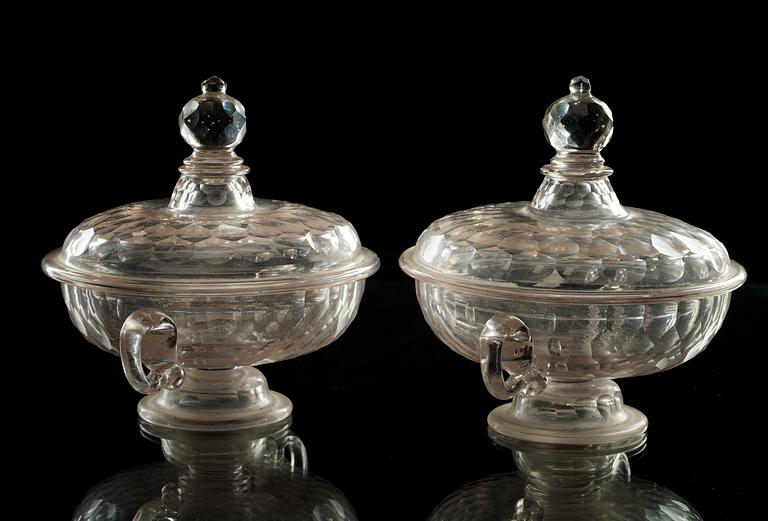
column 556, row 296
column 548, row 247
column 225, row 330
column 155, row 241
column 212, row 235
column 597, row 340
column 574, row 234
column 211, row 279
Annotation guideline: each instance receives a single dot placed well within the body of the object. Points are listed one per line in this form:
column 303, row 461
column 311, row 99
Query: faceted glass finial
column 213, row 120
column 578, row 121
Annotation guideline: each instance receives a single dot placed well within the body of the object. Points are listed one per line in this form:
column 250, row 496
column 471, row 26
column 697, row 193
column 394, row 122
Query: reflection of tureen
column 223, row 479
column 556, row 487
column 557, row 296
column 203, row 286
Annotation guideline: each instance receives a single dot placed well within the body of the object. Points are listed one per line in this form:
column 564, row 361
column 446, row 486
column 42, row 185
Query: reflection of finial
column 579, row 85
column 213, row 120
column 578, row 121
column 214, row 84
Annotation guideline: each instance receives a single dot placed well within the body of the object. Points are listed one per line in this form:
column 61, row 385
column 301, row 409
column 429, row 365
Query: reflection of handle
column 621, row 467
column 286, row 451
column 295, row 454
column 527, row 509
column 507, row 345
column 148, row 337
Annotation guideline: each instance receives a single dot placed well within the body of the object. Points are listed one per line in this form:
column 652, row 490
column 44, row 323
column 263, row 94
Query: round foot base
column 512, row 432
column 223, row 403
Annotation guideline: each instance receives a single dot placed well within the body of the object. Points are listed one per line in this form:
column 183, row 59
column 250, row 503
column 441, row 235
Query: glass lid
column 212, row 235
column 574, row 239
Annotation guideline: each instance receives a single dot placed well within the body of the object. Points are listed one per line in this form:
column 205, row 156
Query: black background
column 391, row 135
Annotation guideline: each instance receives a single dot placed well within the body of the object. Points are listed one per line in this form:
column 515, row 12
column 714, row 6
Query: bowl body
column 223, row 331
column 574, row 341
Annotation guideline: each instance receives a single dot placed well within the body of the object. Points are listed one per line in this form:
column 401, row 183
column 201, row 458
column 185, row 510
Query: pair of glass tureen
column 555, row 297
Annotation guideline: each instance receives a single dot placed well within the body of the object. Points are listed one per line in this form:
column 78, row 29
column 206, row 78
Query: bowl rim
column 55, row 266
column 733, row 278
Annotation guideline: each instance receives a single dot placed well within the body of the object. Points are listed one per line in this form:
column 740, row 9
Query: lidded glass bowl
column 212, row 278
column 557, row 295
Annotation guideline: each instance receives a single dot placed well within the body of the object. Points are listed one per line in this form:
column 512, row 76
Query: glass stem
column 213, row 179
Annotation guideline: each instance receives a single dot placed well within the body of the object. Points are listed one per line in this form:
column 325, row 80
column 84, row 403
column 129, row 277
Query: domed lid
column 212, row 236
column 574, row 240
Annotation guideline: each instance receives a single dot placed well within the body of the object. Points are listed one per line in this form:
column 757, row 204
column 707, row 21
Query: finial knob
column 578, row 121
column 214, row 84
column 578, row 85
column 213, row 120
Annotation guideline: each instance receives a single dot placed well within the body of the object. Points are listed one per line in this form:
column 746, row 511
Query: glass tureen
column 559, row 296
column 202, row 287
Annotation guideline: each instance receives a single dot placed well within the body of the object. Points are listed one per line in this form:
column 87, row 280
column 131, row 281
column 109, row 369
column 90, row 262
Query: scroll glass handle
column 148, row 338
column 506, row 345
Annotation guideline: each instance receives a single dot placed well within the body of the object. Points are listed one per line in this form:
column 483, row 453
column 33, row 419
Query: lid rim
column 363, row 266
column 506, row 290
